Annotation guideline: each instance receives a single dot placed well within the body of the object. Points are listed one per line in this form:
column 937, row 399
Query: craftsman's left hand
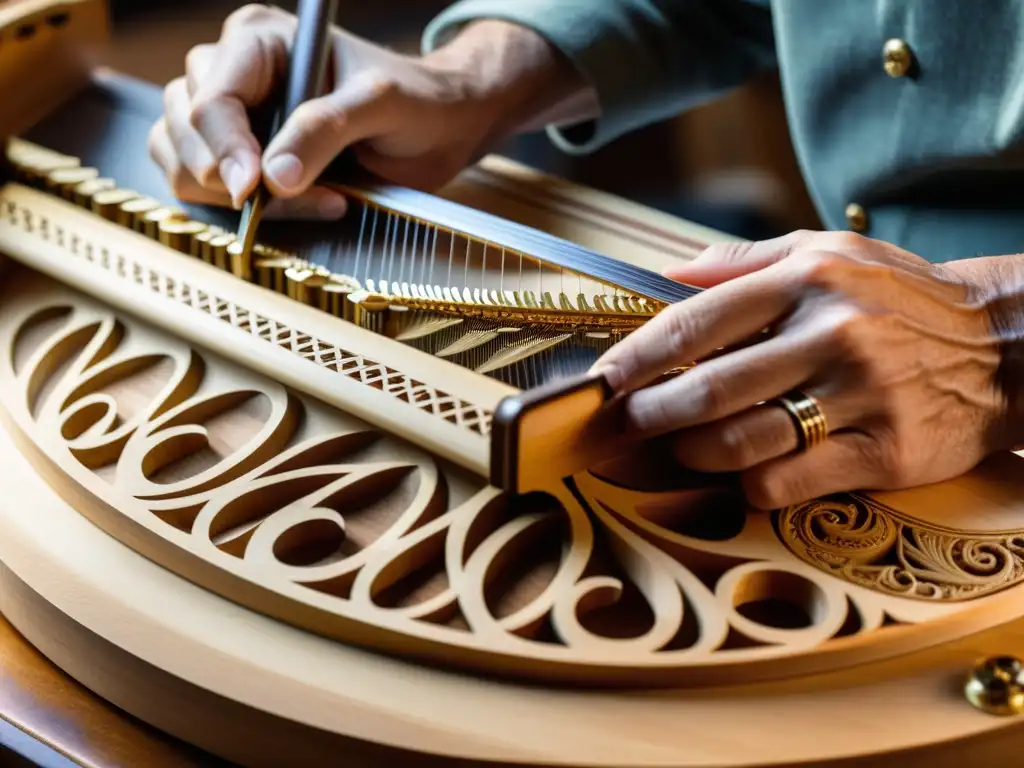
column 901, row 355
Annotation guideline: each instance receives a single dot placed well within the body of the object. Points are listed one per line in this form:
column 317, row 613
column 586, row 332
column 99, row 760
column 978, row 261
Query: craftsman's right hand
column 413, row 121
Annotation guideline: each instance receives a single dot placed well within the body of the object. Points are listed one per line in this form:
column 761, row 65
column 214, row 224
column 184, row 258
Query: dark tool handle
column 307, row 69
column 308, row 61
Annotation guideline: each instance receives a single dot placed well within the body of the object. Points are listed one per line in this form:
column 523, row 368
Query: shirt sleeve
column 646, row 59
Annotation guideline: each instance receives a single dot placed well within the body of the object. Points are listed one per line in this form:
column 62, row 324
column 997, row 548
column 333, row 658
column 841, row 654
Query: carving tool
column 306, row 70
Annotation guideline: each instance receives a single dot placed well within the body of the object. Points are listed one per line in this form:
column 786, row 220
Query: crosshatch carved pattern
column 353, row 533
column 357, row 367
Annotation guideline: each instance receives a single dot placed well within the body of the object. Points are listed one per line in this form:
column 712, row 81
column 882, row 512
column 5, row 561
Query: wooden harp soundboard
column 274, row 511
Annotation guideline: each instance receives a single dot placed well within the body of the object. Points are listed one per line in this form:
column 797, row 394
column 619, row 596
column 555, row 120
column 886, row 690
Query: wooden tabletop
column 48, row 719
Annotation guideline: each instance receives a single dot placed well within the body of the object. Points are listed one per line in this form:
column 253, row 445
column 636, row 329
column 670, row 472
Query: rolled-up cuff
column 593, row 35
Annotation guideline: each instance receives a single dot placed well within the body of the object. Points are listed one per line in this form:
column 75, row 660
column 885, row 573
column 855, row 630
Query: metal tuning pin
column 269, row 266
column 335, row 296
column 107, row 203
column 133, row 212
column 35, row 169
column 63, row 181
column 83, row 193
column 201, row 243
column 217, row 251
column 303, row 282
column 179, row 234
column 996, row 686
column 240, row 259
column 151, row 221
column 369, row 308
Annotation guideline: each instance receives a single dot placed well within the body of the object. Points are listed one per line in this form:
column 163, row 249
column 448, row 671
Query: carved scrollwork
column 875, row 546
column 312, row 516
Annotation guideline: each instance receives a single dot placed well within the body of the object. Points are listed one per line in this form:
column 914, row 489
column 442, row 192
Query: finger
column 737, row 442
column 727, row 261
column 242, row 74
column 183, row 184
column 321, row 128
column 727, row 385
column 694, row 328
column 198, row 66
column 720, row 262
column 844, row 462
column 754, row 436
column 188, row 144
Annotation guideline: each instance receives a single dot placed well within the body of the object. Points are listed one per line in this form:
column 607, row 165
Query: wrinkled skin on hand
column 413, row 121
column 904, row 357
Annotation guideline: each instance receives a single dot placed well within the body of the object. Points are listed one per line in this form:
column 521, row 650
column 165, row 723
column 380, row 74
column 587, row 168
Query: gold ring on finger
column 808, row 418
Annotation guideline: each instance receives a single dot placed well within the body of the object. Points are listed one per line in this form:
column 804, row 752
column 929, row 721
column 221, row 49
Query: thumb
column 722, row 262
column 321, row 128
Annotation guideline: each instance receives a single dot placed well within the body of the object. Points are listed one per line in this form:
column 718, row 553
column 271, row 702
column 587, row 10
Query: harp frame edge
column 402, row 390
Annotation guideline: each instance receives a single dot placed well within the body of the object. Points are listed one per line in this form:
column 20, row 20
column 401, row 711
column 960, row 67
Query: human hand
column 414, row 121
column 904, row 358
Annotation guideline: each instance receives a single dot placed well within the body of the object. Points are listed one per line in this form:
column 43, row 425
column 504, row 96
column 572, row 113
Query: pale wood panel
column 307, row 514
column 910, row 705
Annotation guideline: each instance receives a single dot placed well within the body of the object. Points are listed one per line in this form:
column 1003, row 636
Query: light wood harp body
column 357, row 500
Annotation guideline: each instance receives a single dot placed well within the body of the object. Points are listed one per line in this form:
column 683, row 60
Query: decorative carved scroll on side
column 309, row 515
column 868, row 543
column 304, row 345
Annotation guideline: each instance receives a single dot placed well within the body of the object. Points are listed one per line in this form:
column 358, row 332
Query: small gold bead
column 856, row 217
column 897, row 58
column 996, row 686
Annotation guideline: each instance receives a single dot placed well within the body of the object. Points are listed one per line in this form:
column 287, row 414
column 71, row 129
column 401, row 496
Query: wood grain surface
column 48, row 706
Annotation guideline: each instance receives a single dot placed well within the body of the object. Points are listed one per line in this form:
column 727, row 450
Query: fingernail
column 332, row 206
column 285, row 171
column 608, row 372
column 235, row 177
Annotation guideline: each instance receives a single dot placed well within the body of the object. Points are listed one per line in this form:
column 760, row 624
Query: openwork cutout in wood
column 303, row 512
column 304, row 345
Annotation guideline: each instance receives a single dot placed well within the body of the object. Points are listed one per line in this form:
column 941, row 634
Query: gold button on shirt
column 897, row 58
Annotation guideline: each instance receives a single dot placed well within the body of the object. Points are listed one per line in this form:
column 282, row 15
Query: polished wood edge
column 514, row 457
column 230, row 733
column 19, row 748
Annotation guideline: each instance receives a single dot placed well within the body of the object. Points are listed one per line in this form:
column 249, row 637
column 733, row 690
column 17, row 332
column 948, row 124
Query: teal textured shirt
column 935, row 157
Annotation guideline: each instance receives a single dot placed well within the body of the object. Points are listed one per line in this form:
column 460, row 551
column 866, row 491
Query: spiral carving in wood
column 871, row 544
column 295, row 509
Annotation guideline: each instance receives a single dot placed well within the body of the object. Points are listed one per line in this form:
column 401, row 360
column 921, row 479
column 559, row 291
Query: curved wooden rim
column 229, row 651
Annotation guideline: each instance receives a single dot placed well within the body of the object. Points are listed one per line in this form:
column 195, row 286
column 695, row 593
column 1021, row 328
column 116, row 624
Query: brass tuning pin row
column 65, row 177
column 609, row 312
column 282, row 272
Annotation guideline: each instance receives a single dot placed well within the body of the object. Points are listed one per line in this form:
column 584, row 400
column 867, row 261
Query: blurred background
column 728, row 165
